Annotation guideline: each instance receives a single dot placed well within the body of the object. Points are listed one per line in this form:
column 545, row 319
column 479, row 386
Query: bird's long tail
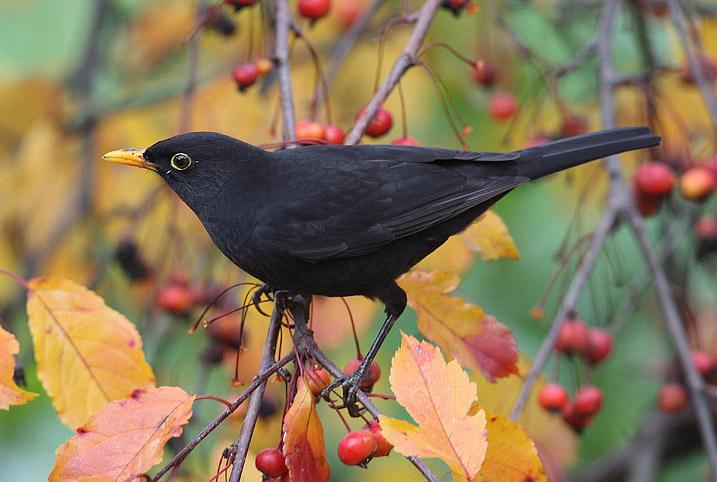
column 562, row 154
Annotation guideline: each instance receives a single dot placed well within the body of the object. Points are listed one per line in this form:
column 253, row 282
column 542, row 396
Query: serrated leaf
column 304, row 439
column 87, row 353
column 126, row 437
column 462, row 329
column 10, row 393
column 439, row 397
column 489, row 236
column 511, row 456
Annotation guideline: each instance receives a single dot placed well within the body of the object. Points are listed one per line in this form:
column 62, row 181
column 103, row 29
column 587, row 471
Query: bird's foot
column 256, row 297
column 350, row 386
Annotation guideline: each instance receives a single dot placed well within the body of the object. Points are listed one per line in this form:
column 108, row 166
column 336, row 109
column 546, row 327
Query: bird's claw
column 256, row 298
column 350, row 386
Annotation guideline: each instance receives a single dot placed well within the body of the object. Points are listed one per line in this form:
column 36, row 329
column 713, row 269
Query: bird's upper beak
column 131, row 157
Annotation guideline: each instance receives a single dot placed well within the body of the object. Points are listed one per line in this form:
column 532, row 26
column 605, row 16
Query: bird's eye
column 180, row 161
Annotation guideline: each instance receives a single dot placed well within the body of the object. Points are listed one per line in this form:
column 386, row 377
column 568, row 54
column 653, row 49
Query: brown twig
column 259, row 380
column 252, row 413
column 404, row 61
column 281, row 60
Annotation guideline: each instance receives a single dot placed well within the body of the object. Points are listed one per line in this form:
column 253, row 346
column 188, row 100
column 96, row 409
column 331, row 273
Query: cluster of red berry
column 673, row 395
column 593, row 345
column 655, row 180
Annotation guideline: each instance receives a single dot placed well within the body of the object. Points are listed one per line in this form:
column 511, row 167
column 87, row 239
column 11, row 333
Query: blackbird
column 339, row 220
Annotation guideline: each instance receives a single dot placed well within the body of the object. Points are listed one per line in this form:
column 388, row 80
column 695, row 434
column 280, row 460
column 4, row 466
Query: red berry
column 697, row 183
column 380, row 124
column 573, row 336
column 309, row 130
column 349, row 11
column 483, row 72
column 317, row 378
column 573, row 125
column 599, row 345
column 245, row 75
column 706, row 228
column 455, row 6
column 263, row 66
column 383, row 446
column 703, row 362
column 646, row 205
column 553, row 397
column 372, row 376
column 357, row 447
column 655, row 179
column 175, row 298
column 503, row 106
column 334, row 134
column 406, row 141
column 588, row 400
column 672, row 398
column 270, row 461
column 576, row 420
column 314, row 9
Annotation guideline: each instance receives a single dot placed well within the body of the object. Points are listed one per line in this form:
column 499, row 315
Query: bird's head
column 195, row 165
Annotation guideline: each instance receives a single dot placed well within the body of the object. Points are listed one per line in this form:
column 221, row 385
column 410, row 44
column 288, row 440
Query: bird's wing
column 350, row 208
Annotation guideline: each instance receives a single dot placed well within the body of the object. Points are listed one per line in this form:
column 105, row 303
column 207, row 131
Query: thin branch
column 695, row 59
column 695, row 384
column 259, row 380
column 567, row 305
column 366, row 402
column 404, row 61
column 281, row 60
column 267, row 360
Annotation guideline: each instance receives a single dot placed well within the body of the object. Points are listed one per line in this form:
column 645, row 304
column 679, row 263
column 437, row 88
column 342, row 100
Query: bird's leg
column 395, row 300
column 299, row 306
column 256, row 297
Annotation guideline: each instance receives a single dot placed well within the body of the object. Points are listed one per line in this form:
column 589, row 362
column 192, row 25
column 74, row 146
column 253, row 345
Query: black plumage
column 348, row 220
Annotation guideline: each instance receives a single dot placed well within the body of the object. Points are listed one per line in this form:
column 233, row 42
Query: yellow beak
column 131, row 157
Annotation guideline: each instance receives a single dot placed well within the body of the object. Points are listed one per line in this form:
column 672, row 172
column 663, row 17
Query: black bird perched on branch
column 348, row 220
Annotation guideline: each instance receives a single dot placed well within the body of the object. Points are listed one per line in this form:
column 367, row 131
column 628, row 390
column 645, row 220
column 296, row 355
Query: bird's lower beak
column 131, row 157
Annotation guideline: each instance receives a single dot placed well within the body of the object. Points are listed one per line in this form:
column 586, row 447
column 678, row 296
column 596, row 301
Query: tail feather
column 562, row 154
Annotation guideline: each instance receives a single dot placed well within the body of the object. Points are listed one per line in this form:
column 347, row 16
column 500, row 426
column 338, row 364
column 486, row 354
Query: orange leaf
column 304, row 439
column 511, row 456
column 463, row 330
column 10, row 393
column 126, row 437
column 489, row 236
column 439, row 397
column 87, row 353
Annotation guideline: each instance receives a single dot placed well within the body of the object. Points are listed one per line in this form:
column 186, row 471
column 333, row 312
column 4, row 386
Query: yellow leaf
column 125, row 438
column 87, row 354
column 511, row 456
column 489, row 236
column 556, row 442
column 10, row 393
column 462, row 329
column 439, row 397
column 304, row 439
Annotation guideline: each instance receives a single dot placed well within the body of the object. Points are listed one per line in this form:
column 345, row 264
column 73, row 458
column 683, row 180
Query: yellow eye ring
column 180, row 161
